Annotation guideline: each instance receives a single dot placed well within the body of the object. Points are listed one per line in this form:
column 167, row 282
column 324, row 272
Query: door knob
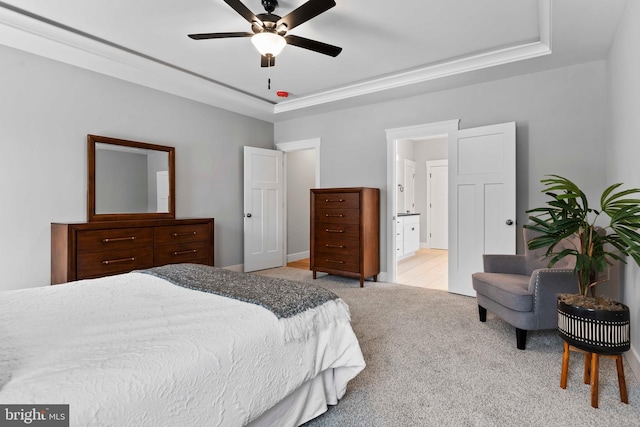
column 509, row 222
column 249, row 215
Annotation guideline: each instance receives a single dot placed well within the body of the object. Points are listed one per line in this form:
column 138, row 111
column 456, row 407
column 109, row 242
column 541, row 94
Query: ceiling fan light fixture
column 268, row 43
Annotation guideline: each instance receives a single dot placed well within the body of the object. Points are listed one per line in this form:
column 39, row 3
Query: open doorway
column 422, row 212
column 302, row 173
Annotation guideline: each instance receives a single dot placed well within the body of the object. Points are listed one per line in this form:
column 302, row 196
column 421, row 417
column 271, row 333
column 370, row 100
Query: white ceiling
column 390, row 49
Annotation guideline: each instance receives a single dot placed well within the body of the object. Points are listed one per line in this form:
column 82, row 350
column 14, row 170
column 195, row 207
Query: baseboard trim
column 238, row 268
column 634, row 361
column 298, row 256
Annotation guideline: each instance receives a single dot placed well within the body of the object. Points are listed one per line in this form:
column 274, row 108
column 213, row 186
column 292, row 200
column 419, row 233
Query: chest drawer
column 337, row 201
column 336, row 261
column 114, row 239
column 342, row 247
column 105, row 263
column 339, row 216
column 332, row 231
column 174, row 234
column 193, row 252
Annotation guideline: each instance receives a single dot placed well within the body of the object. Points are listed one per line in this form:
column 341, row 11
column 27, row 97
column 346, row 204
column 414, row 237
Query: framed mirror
column 129, row 180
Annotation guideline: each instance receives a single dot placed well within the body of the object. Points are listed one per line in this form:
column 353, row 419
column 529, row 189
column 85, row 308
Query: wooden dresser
column 95, row 249
column 345, row 232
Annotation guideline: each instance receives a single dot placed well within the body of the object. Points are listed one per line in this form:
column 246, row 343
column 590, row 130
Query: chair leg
column 483, row 313
column 521, row 338
column 565, row 366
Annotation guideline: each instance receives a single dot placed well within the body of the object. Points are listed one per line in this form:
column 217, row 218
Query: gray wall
column 46, row 111
column 559, row 116
column 301, row 177
column 623, row 145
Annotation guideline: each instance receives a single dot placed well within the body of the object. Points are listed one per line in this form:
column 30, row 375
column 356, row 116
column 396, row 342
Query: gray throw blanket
column 284, row 298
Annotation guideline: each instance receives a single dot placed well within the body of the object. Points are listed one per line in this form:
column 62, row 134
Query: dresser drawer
column 337, row 201
column 341, row 247
column 327, row 230
column 193, row 252
column 181, row 234
column 114, row 239
column 339, row 216
column 336, row 261
column 97, row 264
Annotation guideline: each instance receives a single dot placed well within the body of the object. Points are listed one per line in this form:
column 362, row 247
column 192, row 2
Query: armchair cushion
column 509, row 290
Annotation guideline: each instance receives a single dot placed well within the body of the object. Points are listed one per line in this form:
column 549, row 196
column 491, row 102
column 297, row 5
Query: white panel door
column 162, row 191
column 438, row 203
column 483, row 206
column 263, row 209
column 409, row 186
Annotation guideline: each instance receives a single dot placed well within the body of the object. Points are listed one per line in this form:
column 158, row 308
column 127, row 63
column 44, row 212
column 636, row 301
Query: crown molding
column 37, row 35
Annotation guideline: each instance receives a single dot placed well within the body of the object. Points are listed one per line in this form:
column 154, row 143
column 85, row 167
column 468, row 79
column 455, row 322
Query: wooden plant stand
column 591, row 368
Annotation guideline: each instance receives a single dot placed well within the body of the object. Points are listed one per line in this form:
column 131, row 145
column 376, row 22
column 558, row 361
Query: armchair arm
column 546, row 284
column 509, row 264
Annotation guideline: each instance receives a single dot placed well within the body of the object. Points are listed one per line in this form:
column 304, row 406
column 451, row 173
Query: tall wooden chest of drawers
column 95, row 249
column 345, row 232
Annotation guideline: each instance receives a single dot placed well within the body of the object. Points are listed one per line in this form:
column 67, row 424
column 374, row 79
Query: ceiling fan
column 269, row 34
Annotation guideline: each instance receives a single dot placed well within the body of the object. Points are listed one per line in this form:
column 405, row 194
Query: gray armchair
column 522, row 291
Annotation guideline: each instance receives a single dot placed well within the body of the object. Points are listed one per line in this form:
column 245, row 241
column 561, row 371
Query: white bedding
column 137, row 350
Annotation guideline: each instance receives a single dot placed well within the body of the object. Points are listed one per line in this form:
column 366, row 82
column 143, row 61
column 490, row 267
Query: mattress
column 134, row 349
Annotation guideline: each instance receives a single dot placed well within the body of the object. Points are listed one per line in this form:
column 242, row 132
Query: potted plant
column 585, row 321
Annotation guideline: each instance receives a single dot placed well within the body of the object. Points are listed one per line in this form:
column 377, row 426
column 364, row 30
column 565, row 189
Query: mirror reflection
column 131, row 180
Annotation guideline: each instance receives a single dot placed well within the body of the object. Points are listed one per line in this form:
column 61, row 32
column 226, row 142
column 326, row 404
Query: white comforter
column 137, row 350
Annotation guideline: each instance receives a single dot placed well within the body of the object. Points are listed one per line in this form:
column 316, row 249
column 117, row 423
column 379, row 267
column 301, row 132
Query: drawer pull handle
column 330, row 200
column 192, row 251
column 328, row 230
column 334, row 246
column 334, row 261
column 114, row 261
column 118, row 239
column 190, row 233
column 336, row 216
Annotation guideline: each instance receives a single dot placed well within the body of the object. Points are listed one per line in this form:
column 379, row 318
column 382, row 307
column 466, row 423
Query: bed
column 140, row 349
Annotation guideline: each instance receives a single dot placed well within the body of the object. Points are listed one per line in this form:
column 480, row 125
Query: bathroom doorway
column 422, row 212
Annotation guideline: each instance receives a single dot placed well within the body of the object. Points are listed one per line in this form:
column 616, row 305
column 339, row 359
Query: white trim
column 430, row 72
column 634, row 361
column 298, row 256
column 431, row 130
column 287, row 147
column 42, row 38
column 239, row 268
column 305, row 144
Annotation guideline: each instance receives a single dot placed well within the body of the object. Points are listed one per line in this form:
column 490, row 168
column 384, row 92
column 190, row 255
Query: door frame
column 447, row 129
column 287, row 147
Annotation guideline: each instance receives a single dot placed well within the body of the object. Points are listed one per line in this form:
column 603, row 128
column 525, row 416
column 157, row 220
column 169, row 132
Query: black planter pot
column 595, row 331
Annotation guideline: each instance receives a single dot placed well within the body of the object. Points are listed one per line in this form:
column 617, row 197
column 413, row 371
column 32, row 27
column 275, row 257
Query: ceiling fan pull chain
column 269, row 71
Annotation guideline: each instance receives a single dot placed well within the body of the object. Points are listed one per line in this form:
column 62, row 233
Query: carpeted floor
column 430, row 362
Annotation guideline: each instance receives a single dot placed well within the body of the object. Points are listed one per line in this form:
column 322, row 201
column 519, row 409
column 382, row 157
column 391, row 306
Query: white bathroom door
column 482, row 175
column 263, row 209
column 162, row 191
column 438, row 203
column 409, row 186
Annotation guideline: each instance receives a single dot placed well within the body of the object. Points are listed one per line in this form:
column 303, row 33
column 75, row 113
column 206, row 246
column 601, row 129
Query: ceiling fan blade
column 309, row 10
column 243, row 10
column 205, row 36
column 267, row 61
column 313, row 45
